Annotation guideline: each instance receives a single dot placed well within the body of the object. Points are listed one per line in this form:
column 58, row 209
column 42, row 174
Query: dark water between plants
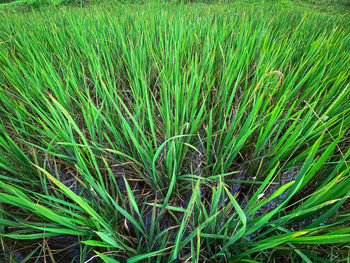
column 58, row 246
column 67, row 248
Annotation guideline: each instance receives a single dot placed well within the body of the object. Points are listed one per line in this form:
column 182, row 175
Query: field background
column 175, row 131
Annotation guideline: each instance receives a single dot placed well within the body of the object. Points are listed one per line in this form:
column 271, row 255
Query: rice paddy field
column 175, row 132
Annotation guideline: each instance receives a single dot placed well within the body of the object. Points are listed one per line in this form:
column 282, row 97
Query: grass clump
column 169, row 133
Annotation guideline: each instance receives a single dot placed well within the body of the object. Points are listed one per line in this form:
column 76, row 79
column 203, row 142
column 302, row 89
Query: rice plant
column 174, row 133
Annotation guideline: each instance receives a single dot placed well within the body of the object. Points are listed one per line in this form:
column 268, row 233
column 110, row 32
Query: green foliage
column 328, row 6
column 165, row 133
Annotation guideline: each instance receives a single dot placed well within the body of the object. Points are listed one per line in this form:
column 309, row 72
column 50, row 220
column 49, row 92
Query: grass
column 172, row 133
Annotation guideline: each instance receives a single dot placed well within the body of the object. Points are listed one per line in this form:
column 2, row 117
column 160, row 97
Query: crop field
column 175, row 132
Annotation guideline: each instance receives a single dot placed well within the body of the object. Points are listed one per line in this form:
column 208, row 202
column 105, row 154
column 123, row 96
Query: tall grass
column 163, row 133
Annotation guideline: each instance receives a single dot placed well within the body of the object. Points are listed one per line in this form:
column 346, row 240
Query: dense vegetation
column 175, row 133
